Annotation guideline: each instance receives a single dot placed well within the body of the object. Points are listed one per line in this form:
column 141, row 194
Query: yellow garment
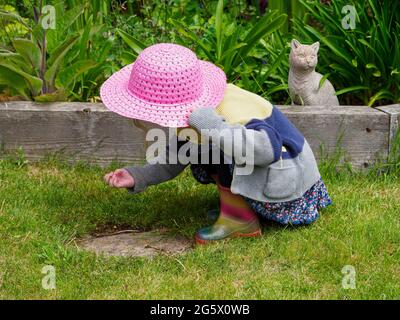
column 240, row 106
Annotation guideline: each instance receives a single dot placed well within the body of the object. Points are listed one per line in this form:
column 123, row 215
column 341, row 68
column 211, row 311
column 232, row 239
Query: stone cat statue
column 304, row 81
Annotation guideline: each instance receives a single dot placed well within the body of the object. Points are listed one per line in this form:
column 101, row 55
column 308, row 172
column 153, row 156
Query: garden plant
column 66, row 50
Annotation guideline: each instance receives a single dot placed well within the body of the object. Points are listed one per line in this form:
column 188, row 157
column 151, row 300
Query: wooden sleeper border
column 88, row 131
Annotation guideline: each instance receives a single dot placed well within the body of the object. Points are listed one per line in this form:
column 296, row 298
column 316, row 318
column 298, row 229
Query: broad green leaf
column 373, row 45
column 342, row 70
column 96, row 29
column 127, row 57
column 16, row 60
column 356, row 52
column 377, row 56
column 29, row 52
column 66, row 21
column 51, row 73
column 38, row 36
column 187, row 33
column 336, row 48
column 371, row 66
column 6, row 15
column 396, row 57
column 58, row 95
column 265, row 26
column 323, row 79
column 13, row 81
column 34, row 84
column 351, row 89
column 382, row 94
column 281, row 7
column 274, row 66
column 282, row 87
column 69, row 17
column 231, row 41
column 218, row 26
column 260, row 30
column 105, row 49
column 6, row 53
column 60, row 49
column 245, row 80
column 83, row 41
column 376, row 73
column 132, row 42
column 230, row 29
column 297, row 8
column 230, row 50
column 67, row 75
column 395, row 71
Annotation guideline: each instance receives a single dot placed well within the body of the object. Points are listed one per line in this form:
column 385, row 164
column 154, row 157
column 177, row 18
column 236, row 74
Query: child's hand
column 119, row 178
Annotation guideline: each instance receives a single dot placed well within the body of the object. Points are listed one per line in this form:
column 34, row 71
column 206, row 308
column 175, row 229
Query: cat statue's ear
column 295, row 44
column 315, row 46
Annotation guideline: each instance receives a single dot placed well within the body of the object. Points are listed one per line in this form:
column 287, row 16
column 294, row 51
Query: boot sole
column 233, row 235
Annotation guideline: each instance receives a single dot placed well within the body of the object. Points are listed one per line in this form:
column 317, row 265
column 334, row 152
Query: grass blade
column 218, row 27
column 351, row 89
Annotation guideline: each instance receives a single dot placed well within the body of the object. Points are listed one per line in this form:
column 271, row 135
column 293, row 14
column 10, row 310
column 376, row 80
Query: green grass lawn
column 44, row 207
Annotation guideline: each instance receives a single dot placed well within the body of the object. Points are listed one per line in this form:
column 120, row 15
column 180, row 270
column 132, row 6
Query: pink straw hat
column 164, row 85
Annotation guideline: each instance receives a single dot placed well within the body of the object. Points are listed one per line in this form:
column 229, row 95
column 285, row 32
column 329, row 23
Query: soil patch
column 132, row 243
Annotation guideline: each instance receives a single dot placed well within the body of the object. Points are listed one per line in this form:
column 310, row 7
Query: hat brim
column 118, row 98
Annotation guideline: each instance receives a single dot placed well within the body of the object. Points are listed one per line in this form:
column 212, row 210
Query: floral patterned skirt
column 304, row 210
column 301, row 211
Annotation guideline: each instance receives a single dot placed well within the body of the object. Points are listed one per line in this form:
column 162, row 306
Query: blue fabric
column 301, row 211
column 281, row 132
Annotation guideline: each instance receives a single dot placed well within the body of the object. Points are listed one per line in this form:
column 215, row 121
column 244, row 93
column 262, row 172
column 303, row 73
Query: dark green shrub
column 363, row 63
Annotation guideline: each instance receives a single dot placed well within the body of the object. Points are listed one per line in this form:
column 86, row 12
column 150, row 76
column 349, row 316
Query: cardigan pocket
column 282, row 182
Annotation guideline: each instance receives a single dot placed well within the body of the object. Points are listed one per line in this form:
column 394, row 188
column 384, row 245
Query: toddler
column 277, row 180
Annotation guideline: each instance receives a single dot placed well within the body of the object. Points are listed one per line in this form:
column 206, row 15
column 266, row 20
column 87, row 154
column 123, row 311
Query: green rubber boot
column 213, row 214
column 227, row 227
column 235, row 219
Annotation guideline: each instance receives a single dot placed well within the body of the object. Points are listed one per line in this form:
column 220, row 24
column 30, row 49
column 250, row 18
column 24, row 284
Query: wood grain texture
column 89, row 131
column 361, row 132
column 77, row 130
column 393, row 111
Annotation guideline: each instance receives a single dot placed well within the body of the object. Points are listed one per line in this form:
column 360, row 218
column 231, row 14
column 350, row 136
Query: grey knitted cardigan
column 276, row 176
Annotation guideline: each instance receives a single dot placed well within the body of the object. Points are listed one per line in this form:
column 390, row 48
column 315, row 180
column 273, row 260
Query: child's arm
column 151, row 174
column 267, row 145
column 136, row 179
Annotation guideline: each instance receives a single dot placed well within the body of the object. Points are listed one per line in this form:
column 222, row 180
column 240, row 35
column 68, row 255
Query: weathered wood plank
column 362, row 132
column 78, row 130
column 89, row 131
column 393, row 111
